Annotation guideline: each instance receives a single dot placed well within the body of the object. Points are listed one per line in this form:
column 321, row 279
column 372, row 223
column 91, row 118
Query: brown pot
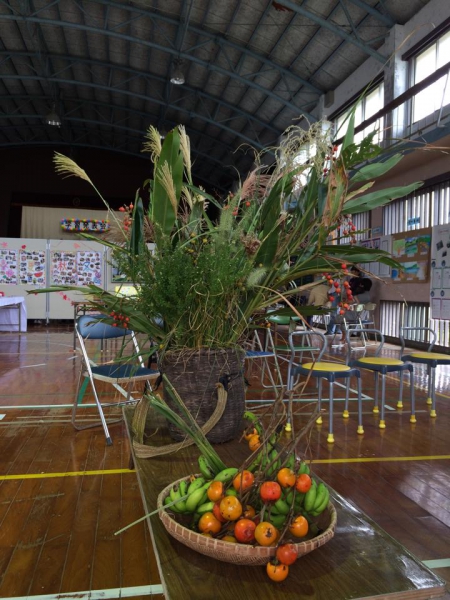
column 194, row 374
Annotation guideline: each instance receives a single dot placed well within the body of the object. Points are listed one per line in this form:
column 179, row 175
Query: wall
column 28, row 177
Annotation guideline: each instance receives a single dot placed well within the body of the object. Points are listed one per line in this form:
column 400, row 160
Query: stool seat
column 428, row 357
column 380, row 363
column 326, row 366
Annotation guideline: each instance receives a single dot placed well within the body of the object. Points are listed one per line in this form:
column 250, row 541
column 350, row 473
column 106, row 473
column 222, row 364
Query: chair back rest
column 306, row 335
column 432, row 336
column 378, row 334
column 370, row 306
column 94, row 328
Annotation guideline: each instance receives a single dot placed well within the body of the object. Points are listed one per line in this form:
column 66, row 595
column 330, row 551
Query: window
column 366, row 107
column 424, row 64
column 424, row 208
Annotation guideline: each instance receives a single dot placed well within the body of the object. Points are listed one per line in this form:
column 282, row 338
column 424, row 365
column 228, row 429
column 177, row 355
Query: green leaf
column 376, row 169
column 374, row 199
column 350, row 133
column 137, row 228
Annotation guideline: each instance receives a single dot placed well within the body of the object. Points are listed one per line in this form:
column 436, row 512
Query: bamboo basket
column 241, row 554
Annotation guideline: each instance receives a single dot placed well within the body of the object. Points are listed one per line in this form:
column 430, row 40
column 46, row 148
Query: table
column 361, row 561
column 13, row 313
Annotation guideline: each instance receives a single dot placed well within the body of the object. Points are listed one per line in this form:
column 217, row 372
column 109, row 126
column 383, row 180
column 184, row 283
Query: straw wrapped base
column 242, row 554
column 194, row 374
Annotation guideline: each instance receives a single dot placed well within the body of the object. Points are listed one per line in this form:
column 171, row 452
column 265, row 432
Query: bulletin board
column 440, row 273
column 412, row 249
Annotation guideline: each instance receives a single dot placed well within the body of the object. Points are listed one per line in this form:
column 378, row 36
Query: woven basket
column 194, row 374
column 241, row 554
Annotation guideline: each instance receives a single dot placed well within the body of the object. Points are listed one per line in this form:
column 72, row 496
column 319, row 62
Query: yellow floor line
column 317, row 462
column 67, row 474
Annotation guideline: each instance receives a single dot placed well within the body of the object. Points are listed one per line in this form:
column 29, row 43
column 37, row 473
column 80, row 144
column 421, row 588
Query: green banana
column 194, row 485
column 205, row 507
column 303, row 469
column 277, row 520
column 299, row 499
column 319, row 495
column 288, row 495
column 194, row 499
column 319, row 508
column 175, row 496
column 254, row 419
column 281, row 507
column 231, row 492
column 167, row 500
column 226, row 475
column 290, row 462
column 310, row 497
column 205, row 468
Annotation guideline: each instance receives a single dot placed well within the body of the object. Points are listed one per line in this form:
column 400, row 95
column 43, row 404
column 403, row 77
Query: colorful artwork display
column 89, row 267
column 8, row 266
column 63, row 268
column 412, row 250
column 32, row 267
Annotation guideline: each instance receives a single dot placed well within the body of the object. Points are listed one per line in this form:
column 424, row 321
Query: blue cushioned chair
column 126, row 371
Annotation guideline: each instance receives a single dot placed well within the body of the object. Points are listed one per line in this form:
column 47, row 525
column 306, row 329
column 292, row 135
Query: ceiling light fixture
column 53, row 118
column 177, row 72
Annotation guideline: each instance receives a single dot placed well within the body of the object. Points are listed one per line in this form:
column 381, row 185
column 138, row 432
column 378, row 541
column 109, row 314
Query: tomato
column 266, row 534
column 287, row 554
column 229, row 538
column 209, row 524
column 277, row 572
column 216, row 512
column 249, row 512
column 254, row 442
column 286, row 477
column 244, row 531
column 230, row 508
column 303, row 483
column 270, row 491
column 299, row 527
column 248, row 435
column 215, row 491
column 243, row 481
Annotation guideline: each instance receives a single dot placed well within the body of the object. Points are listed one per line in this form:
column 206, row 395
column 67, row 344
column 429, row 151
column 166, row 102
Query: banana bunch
column 190, row 498
column 316, row 499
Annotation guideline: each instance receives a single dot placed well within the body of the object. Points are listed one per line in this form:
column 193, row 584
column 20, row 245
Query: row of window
column 425, row 103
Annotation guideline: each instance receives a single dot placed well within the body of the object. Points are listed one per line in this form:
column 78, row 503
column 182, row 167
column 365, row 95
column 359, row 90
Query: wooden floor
column 64, row 494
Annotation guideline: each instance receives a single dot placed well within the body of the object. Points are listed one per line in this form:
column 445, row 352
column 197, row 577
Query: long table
column 13, row 313
column 361, row 561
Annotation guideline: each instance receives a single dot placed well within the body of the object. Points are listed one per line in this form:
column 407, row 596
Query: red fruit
column 270, row 491
column 122, row 209
column 216, row 512
column 244, row 531
column 336, row 284
column 287, row 554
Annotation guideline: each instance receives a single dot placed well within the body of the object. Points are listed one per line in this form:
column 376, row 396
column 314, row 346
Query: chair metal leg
column 375, row 406
column 400, row 400
column 433, row 393
column 319, row 400
column 382, row 423
column 412, row 418
column 330, row 437
column 360, row 429
column 429, row 374
column 347, row 394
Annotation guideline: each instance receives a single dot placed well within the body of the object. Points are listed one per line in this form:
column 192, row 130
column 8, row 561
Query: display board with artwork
column 8, row 266
column 412, row 250
column 440, row 272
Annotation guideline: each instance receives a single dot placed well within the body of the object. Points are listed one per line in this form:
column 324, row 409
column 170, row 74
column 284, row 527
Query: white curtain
column 45, row 223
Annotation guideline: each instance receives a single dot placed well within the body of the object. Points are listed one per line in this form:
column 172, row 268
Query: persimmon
column 286, row 477
column 230, row 508
column 277, row 572
column 209, row 524
column 299, row 527
column 266, row 534
column 243, row 481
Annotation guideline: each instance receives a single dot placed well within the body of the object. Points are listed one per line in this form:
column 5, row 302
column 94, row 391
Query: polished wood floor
column 64, row 494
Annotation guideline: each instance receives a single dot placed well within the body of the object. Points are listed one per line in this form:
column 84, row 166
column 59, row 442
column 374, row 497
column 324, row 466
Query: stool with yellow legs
column 381, row 366
column 432, row 360
column 331, row 372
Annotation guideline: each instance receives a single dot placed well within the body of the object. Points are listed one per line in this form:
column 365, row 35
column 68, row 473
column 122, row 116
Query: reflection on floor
column 63, row 493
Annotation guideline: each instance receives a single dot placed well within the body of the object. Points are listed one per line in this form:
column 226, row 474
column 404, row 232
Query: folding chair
column 127, row 371
column 432, row 360
column 263, row 350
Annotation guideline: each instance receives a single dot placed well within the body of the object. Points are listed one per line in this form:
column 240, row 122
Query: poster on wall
column 412, row 251
column 8, row 266
column 440, row 272
column 63, row 268
column 89, row 267
column 32, row 267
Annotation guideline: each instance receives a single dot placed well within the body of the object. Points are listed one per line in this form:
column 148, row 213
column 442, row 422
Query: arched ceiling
column 251, row 67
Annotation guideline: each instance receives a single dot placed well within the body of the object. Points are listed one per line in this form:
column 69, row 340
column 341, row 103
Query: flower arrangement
column 205, row 267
